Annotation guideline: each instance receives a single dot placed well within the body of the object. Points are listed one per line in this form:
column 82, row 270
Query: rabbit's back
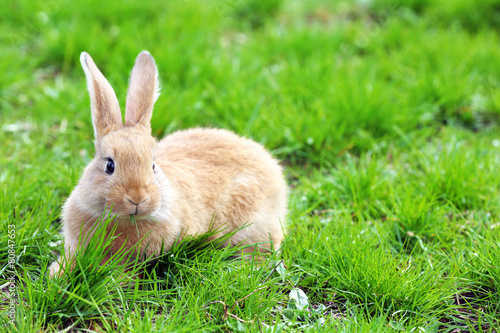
column 217, row 174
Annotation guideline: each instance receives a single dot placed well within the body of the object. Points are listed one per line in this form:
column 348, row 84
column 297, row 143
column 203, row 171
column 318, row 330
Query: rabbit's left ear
column 142, row 92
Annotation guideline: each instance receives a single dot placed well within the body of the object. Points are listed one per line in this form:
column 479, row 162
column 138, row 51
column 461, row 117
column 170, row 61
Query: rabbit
column 173, row 187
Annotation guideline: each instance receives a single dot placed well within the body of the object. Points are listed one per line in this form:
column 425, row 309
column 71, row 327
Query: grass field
column 386, row 114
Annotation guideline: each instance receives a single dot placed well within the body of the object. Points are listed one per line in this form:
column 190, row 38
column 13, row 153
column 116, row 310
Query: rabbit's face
column 125, row 165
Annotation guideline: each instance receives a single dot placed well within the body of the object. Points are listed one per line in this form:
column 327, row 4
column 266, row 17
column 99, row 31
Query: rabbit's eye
column 153, row 166
column 110, row 166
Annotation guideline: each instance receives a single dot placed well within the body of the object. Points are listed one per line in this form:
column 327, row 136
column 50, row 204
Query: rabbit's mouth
column 127, row 205
column 140, row 211
column 126, row 213
column 134, row 218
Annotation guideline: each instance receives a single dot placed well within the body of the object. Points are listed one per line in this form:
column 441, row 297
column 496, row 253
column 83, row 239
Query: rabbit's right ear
column 106, row 115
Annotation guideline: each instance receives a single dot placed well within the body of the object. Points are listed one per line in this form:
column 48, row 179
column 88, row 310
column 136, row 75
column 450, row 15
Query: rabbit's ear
column 106, row 115
column 142, row 92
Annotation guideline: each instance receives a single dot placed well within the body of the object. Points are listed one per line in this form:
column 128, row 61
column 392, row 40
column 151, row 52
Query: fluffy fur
column 199, row 174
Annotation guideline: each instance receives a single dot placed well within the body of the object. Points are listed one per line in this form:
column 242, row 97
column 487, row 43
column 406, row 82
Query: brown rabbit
column 173, row 187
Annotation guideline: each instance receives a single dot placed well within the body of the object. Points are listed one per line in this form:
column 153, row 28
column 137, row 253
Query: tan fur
column 199, row 174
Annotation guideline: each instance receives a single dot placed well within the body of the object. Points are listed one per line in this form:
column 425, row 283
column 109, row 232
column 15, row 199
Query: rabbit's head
column 123, row 175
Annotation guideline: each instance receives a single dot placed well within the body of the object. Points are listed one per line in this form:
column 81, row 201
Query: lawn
column 385, row 114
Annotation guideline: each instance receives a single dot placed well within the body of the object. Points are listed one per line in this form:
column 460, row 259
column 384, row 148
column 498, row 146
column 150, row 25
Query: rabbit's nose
column 137, row 201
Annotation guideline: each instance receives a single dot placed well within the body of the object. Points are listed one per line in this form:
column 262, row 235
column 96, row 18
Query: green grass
column 386, row 114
